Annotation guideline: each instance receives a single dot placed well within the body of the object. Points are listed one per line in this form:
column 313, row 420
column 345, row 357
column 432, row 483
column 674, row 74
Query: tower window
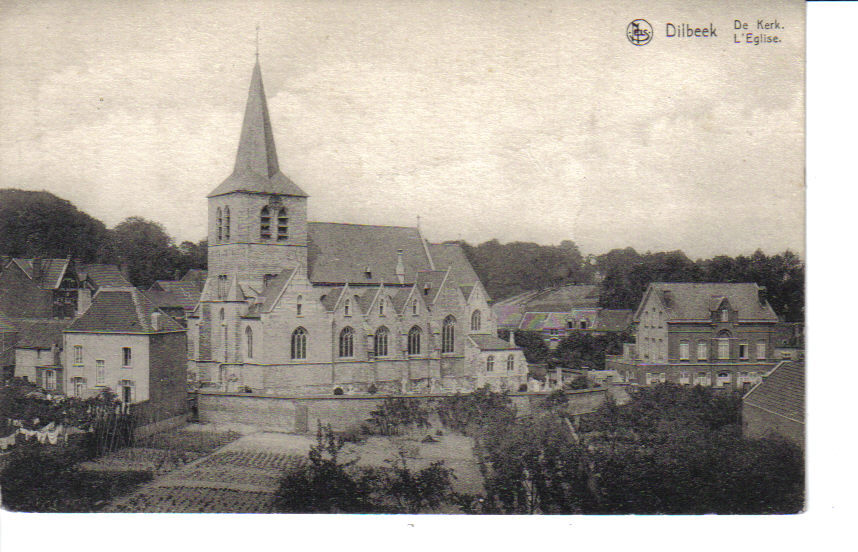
column 282, row 225
column 265, row 224
column 226, row 224
column 219, row 224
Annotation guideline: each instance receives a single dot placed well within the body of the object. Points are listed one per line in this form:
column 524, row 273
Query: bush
column 397, row 414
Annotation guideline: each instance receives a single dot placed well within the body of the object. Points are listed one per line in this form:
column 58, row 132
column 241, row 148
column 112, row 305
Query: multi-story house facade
column 710, row 334
column 291, row 306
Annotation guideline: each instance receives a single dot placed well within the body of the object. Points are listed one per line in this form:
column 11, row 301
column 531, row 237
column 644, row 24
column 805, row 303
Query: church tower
column 257, row 217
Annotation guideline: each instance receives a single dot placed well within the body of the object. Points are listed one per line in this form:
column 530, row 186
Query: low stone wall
column 299, row 414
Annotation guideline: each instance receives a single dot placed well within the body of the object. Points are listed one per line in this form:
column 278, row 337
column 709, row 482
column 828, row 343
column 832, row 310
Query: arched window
column 414, row 340
column 298, row 305
column 448, row 334
column 265, row 223
column 225, row 337
column 381, row 342
column 490, row 363
column 347, row 307
column 226, row 224
column 299, row 344
column 510, row 363
column 723, row 345
column 248, row 341
column 282, row 225
column 347, row 343
column 476, row 321
column 219, row 225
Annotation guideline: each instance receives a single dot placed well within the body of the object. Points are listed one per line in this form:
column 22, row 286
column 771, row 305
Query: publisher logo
column 639, row 32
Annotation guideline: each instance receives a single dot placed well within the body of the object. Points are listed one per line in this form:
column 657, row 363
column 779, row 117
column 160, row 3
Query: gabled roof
column 400, row 299
column 198, row 275
column 781, row 392
column 329, row 300
column 189, row 291
column 256, row 167
column 122, row 310
column 696, row 301
column 41, row 334
column 610, row 320
column 49, row 273
column 432, row 278
column 491, row 343
column 537, row 321
column 340, row 253
column 274, row 289
column 451, row 255
column 466, row 291
column 565, row 298
column 102, row 275
column 367, row 297
column 508, row 315
column 165, row 299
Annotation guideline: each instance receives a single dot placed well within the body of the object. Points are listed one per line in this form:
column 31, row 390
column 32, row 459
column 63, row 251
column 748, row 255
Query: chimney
column 156, row 321
column 400, row 267
column 763, row 294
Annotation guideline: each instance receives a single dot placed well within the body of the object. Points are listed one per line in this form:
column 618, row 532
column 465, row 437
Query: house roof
column 536, row 321
column 696, row 301
column 610, row 320
column 121, row 310
column 41, row 334
column 508, row 315
column 188, row 290
column 256, row 167
column 165, row 299
column 781, row 392
column 565, row 298
column 102, row 275
column 491, row 343
column 340, row 253
column 49, row 273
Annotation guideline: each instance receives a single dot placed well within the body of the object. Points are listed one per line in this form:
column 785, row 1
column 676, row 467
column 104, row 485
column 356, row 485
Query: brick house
column 124, row 343
column 775, row 407
column 291, row 306
column 711, row 334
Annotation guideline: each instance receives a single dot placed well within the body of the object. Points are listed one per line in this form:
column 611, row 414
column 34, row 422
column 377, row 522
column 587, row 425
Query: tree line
column 40, row 224
column 624, row 274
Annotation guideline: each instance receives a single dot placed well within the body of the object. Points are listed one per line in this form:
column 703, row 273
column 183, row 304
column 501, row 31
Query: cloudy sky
column 531, row 121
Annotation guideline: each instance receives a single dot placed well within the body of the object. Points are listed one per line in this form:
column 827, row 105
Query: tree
column 146, row 249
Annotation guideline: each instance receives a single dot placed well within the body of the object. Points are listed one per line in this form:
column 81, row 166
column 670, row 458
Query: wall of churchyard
column 300, row 414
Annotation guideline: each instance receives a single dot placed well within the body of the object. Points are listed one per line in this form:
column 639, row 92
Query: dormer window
column 265, row 223
column 725, row 315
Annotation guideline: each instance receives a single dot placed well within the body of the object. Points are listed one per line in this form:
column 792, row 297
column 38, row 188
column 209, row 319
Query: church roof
column 256, row 167
column 340, row 253
column 329, row 300
column 451, row 255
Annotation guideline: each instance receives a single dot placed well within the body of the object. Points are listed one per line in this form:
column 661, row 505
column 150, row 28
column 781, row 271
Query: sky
column 520, row 121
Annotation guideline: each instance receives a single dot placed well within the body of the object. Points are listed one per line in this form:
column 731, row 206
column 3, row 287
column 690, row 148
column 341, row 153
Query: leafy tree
column 394, row 415
column 472, row 412
column 146, row 249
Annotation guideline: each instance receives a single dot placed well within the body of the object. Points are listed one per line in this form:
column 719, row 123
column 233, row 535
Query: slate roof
column 188, row 291
column 491, row 343
column 198, row 275
column 781, row 392
column 165, row 299
column 611, row 320
column 123, row 310
column 6, row 324
column 41, row 334
column 274, row 288
column 695, row 301
column 565, row 298
column 508, row 315
column 256, row 167
column 51, row 271
column 366, row 298
column 400, row 298
column 329, row 300
column 339, row 253
column 451, row 255
column 434, row 278
column 102, row 275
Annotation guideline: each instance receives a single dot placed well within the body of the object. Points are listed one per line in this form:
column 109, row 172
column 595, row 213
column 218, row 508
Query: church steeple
column 256, row 167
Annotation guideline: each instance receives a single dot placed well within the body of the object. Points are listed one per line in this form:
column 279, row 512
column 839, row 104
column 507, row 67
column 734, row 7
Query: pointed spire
column 256, row 166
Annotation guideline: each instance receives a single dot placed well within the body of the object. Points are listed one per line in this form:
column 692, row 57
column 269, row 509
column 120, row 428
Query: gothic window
column 299, row 305
column 226, row 224
column 490, row 363
column 476, row 321
column 448, row 334
column 219, row 225
column 510, row 363
column 414, row 340
column 347, row 343
column 414, row 309
column 299, row 344
column 282, row 225
column 265, row 223
column 248, row 338
column 381, row 342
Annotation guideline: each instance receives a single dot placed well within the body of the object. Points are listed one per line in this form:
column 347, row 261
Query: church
column 296, row 307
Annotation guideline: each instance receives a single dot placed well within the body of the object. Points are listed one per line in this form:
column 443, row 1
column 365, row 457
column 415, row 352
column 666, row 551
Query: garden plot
column 195, row 500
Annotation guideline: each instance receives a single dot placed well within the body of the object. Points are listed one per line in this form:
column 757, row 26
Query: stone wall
column 299, row 414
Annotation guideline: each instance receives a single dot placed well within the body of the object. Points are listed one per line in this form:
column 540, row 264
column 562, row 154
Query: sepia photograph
column 388, row 257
